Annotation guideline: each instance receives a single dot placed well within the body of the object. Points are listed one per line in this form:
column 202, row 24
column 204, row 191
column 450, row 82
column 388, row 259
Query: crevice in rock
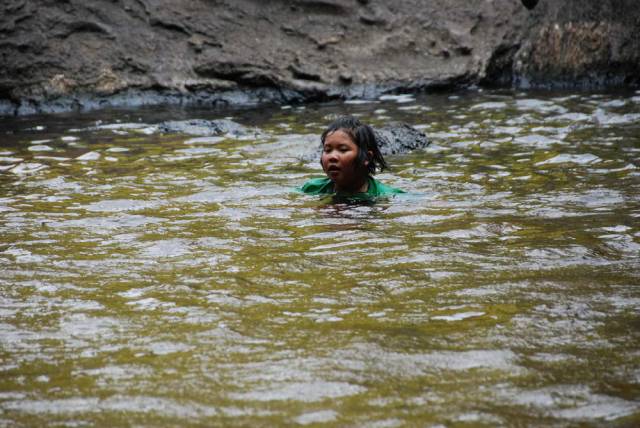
column 246, row 74
column 499, row 69
column 298, row 73
column 170, row 26
column 87, row 27
column 324, row 7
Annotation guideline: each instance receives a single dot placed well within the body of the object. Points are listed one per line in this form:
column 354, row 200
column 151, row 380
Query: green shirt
column 324, row 186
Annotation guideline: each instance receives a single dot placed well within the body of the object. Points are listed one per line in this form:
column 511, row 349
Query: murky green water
column 150, row 279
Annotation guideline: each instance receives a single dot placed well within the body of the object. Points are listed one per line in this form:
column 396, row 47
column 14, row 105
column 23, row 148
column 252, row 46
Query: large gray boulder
column 205, row 128
column 398, row 138
column 80, row 54
column 393, row 138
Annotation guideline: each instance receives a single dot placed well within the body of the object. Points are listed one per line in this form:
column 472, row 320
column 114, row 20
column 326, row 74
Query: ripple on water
column 120, row 205
column 86, row 327
column 149, row 304
column 115, row 373
column 622, row 243
column 9, row 159
column 166, row 348
column 294, row 147
column 40, row 148
column 26, row 168
column 508, row 130
column 458, row 316
column 492, row 105
column 570, row 255
column 556, row 204
column 89, row 156
column 301, row 391
column 398, row 98
column 381, row 362
column 21, row 255
column 105, row 225
column 570, row 117
column 240, row 192
column 540, row 106
column 582, row 159
column 199, row 151
column 574, row 402
column 425, row 219
column 562, row 321
column 166, row 248
column 142, row 128
column 321, row 416
column 118, row 403
column 536, row 141
column 204, row 140
column 604, row 118
column 358, row 242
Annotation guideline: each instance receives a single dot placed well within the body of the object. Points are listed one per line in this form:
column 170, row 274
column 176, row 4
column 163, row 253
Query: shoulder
column 378, row 189
column 317, row 186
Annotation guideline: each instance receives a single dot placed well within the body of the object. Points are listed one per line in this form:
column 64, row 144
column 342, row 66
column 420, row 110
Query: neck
column 359, row 187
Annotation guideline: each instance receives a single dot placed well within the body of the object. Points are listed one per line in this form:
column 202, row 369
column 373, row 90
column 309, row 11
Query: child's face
column 340, row 161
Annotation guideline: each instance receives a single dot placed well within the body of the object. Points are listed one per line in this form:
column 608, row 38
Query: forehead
column 339, row 136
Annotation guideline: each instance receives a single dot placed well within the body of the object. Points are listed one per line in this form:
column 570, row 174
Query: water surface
column 150, row 279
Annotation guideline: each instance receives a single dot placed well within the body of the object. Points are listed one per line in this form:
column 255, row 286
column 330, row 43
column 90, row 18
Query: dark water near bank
column 150, row 279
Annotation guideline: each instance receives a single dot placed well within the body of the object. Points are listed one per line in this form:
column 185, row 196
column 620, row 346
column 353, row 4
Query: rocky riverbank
column 75, row 55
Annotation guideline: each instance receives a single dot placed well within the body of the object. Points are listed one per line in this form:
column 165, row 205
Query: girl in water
column 350, row 158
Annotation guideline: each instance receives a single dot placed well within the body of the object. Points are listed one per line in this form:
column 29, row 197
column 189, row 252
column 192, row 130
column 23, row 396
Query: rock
column 589, row 44
column 394, row 138
column 398, row 138
column 75, row 54
column 205, row 128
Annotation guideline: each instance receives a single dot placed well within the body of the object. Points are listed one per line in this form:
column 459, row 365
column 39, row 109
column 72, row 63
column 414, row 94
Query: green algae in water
column 164, row 281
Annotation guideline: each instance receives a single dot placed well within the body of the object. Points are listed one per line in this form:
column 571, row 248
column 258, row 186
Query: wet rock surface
column 205, row 128
column 75, row 55
column 398, row 138
column 393, row 138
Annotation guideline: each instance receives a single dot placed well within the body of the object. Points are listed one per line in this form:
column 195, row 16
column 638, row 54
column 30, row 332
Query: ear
column 369, row 156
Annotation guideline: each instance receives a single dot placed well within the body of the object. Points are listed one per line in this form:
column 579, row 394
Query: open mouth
column 333, row 168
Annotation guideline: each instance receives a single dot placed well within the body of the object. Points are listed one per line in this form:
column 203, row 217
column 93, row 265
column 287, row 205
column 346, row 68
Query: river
column 161, row 279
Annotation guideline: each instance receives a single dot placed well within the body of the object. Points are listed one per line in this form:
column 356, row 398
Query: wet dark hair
column 364, row 137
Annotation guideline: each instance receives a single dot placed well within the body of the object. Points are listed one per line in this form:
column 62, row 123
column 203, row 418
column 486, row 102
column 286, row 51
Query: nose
column 331, row 156
column 327, row 160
